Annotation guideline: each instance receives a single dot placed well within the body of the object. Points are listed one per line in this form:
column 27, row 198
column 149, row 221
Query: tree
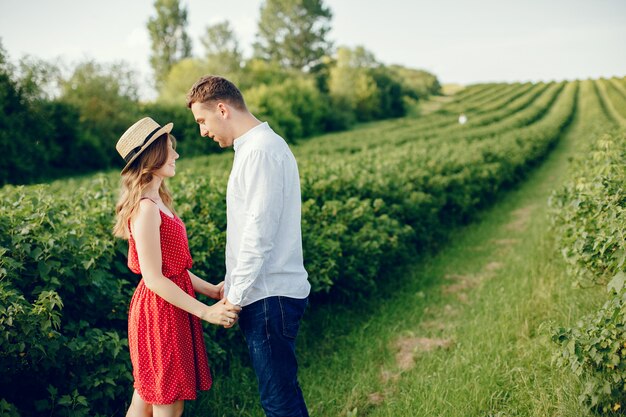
column 170, row 42
column 38, row 79
column 293, row 32
column 220, row 39
column 106, row 97
column 222, row 48
column 416, row 83
column 295, row 108
column 351, row 86
column 23, row 128
column 181, row 77
column 257, row 71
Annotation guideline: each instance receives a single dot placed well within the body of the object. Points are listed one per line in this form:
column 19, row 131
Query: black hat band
column 136, row 150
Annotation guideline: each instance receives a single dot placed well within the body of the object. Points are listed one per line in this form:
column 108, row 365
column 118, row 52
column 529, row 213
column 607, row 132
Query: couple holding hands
column 265, row 288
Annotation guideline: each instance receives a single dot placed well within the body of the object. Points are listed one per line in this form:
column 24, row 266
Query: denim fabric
column 270, row 327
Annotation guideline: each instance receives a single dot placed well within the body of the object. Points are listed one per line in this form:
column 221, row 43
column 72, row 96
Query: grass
column 465, row 332
column 489, row 296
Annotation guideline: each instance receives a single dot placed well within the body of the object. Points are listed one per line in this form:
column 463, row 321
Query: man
column 264, row 267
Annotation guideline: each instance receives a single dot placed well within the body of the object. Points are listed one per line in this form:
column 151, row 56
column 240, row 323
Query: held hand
column 221, row 314
column 233, row 308
column 218, row 291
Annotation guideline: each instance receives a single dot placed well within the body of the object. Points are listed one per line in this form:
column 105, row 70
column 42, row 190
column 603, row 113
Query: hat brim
column 165, row 129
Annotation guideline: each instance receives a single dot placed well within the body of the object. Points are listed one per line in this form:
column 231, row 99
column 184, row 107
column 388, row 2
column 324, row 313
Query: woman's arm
column 206, row 288
column 145, row 229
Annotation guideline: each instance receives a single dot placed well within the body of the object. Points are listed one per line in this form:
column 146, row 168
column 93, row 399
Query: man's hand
column 233, row 309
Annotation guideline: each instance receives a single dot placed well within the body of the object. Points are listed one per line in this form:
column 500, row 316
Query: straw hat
column 138, row 137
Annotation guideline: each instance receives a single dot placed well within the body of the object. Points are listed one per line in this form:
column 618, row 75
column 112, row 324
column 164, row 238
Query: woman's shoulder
column 147, row 211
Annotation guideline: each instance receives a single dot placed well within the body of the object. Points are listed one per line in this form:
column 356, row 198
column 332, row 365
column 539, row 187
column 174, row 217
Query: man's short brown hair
column 211, row 88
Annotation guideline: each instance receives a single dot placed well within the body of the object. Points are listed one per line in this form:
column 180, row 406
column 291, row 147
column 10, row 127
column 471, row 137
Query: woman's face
column 169, row 168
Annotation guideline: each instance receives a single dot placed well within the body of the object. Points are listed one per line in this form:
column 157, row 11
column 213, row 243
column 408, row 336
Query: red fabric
column 166, row 343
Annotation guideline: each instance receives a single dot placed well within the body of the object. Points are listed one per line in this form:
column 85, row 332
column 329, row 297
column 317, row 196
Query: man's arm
column 263, row 176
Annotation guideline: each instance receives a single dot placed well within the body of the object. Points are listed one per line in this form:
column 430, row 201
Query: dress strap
column 148, row 198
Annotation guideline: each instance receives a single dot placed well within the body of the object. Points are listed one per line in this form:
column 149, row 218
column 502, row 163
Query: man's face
column 213, row 122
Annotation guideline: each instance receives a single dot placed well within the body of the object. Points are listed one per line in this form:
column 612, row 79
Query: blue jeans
column 270, row 327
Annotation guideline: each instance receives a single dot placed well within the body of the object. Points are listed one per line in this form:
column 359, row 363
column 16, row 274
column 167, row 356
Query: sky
column 462, row 41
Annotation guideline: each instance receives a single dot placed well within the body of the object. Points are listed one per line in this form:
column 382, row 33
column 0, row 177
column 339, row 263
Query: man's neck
column 244, row 123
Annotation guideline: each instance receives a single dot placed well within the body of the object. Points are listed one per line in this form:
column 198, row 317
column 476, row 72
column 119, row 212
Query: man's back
column 263, row 237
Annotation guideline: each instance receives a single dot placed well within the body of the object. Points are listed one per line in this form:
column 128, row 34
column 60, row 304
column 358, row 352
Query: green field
column 435, row 272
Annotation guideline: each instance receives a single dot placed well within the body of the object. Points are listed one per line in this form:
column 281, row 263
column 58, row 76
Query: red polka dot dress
column 166, row 343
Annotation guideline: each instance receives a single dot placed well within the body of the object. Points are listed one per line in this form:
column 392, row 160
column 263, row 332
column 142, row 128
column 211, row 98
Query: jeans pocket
column 292, row 310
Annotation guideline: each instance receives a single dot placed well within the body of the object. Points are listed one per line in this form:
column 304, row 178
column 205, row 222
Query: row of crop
column 517, row 114
column 524, row 110
column 478, row 100
column 587, row 215
column 403, row 129
column 498, row 100
column 441, row 183
column 473, row 90
column 530, row 110
column 64, row 286
column 590, row 216
column 619, row 87
column 443, row 118
column 509, row 105
column 500, row 103
column 613, row 100
column 496, row 103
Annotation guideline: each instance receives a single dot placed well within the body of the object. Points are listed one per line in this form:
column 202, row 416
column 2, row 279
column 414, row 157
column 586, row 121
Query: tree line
column 56, row 122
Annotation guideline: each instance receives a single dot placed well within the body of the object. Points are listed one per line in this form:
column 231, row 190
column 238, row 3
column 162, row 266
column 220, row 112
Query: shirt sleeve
column 263, row 181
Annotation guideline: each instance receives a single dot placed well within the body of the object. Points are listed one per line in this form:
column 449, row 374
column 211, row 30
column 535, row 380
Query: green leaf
column 617, row 282
column 65, row 400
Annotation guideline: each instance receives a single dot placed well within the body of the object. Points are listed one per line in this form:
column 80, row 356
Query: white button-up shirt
column 263, row 235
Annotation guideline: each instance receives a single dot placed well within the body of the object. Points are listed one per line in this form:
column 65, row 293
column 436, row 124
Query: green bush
column 595, row 349
column 189, row 143
column 294, row 108
column 588, row 213
column 24, row 155
column 63, row 300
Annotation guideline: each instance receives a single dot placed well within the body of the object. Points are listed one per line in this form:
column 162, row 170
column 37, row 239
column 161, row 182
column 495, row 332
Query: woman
column 164, row 332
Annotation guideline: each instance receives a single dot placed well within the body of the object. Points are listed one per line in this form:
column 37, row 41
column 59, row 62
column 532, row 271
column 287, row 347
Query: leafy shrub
column 294, row 108
column 588, row 214
column 189, row 143
column 589, row 211
column 595, row 349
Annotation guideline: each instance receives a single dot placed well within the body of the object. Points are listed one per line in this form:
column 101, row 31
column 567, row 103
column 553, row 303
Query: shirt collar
column 241, row 140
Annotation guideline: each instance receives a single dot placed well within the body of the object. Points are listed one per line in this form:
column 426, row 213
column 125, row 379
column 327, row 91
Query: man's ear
column 223, row 109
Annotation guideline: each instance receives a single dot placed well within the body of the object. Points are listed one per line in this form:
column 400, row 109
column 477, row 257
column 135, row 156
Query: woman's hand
column 222, row 313
column 215, row 291
column 218, row 291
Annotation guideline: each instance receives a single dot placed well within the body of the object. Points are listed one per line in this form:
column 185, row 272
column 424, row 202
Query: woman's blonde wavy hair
column 136, row 179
